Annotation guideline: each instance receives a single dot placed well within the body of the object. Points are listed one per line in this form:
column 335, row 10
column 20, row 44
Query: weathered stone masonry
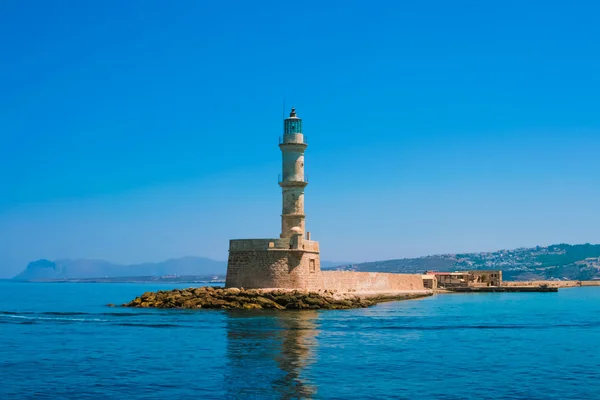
column 270, row 263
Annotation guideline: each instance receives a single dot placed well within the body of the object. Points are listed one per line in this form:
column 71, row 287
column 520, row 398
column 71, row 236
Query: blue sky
column 143, row 130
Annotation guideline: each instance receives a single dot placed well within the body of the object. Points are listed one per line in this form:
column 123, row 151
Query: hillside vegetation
column 560, row 261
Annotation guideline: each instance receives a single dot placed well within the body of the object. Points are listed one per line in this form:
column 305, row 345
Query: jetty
column 504, row 289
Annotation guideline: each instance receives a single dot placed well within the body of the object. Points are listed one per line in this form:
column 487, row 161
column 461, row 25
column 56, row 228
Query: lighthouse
column 292, row 260
column 292, row 179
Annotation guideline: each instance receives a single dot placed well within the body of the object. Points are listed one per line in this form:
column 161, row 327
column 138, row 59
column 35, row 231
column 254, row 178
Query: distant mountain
column 559, row 261
column 79, row 269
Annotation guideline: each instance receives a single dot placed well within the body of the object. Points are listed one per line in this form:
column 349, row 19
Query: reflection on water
column 267, row 353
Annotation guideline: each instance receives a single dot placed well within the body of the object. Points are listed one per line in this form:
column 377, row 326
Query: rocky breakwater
column 233, row 298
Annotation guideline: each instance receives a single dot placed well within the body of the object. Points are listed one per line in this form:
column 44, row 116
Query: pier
column 504, row 289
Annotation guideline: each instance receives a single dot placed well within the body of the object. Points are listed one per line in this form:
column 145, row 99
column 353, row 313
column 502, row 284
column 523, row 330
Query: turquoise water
column 61, row 341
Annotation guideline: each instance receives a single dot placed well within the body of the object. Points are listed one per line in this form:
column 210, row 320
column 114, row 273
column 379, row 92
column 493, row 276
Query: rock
column 268, row 303
column 251, row 306
column 251, row 299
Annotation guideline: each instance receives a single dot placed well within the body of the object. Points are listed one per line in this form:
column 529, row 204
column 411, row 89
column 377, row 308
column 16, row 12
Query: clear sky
column 142, row 130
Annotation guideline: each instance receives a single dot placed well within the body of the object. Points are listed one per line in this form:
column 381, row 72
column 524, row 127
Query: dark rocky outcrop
column 233, row 298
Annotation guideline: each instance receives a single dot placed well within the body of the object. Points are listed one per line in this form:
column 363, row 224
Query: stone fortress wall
column 348, row 281
column 559, row 284
column 270, row 264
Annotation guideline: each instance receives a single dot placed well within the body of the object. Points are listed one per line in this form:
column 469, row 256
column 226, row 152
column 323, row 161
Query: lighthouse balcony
column 293, row 138
column 237, row 245
column 293, row 181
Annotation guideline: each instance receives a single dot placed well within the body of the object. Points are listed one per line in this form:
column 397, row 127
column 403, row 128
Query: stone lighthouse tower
column 292, row 260
column 292, row 180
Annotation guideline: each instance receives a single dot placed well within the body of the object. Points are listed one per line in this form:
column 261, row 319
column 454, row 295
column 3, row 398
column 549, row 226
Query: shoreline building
column 292, row 261
column 474, row 278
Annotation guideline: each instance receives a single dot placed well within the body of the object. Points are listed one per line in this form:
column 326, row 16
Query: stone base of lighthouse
column 285, row 264
column 274, row 263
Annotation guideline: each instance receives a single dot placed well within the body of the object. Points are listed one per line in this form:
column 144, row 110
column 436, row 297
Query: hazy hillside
column 560, row 261
column 77, row 269
column 404, row 265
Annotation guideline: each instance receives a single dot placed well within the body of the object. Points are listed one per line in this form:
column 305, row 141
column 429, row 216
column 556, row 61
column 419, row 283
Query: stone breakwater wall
column 347, row 281
column 590, row 283
column 558, row 284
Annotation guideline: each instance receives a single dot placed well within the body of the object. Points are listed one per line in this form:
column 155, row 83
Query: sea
column 62, row 341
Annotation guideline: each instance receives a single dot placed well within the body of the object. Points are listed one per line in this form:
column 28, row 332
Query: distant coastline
column 557, row 263
column 132, row 279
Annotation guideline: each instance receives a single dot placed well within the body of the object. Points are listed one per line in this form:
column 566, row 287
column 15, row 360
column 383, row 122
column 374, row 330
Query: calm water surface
column 61, row 341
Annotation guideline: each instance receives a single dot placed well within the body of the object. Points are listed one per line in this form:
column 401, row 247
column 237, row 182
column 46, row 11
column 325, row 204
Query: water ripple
column 444, row 347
